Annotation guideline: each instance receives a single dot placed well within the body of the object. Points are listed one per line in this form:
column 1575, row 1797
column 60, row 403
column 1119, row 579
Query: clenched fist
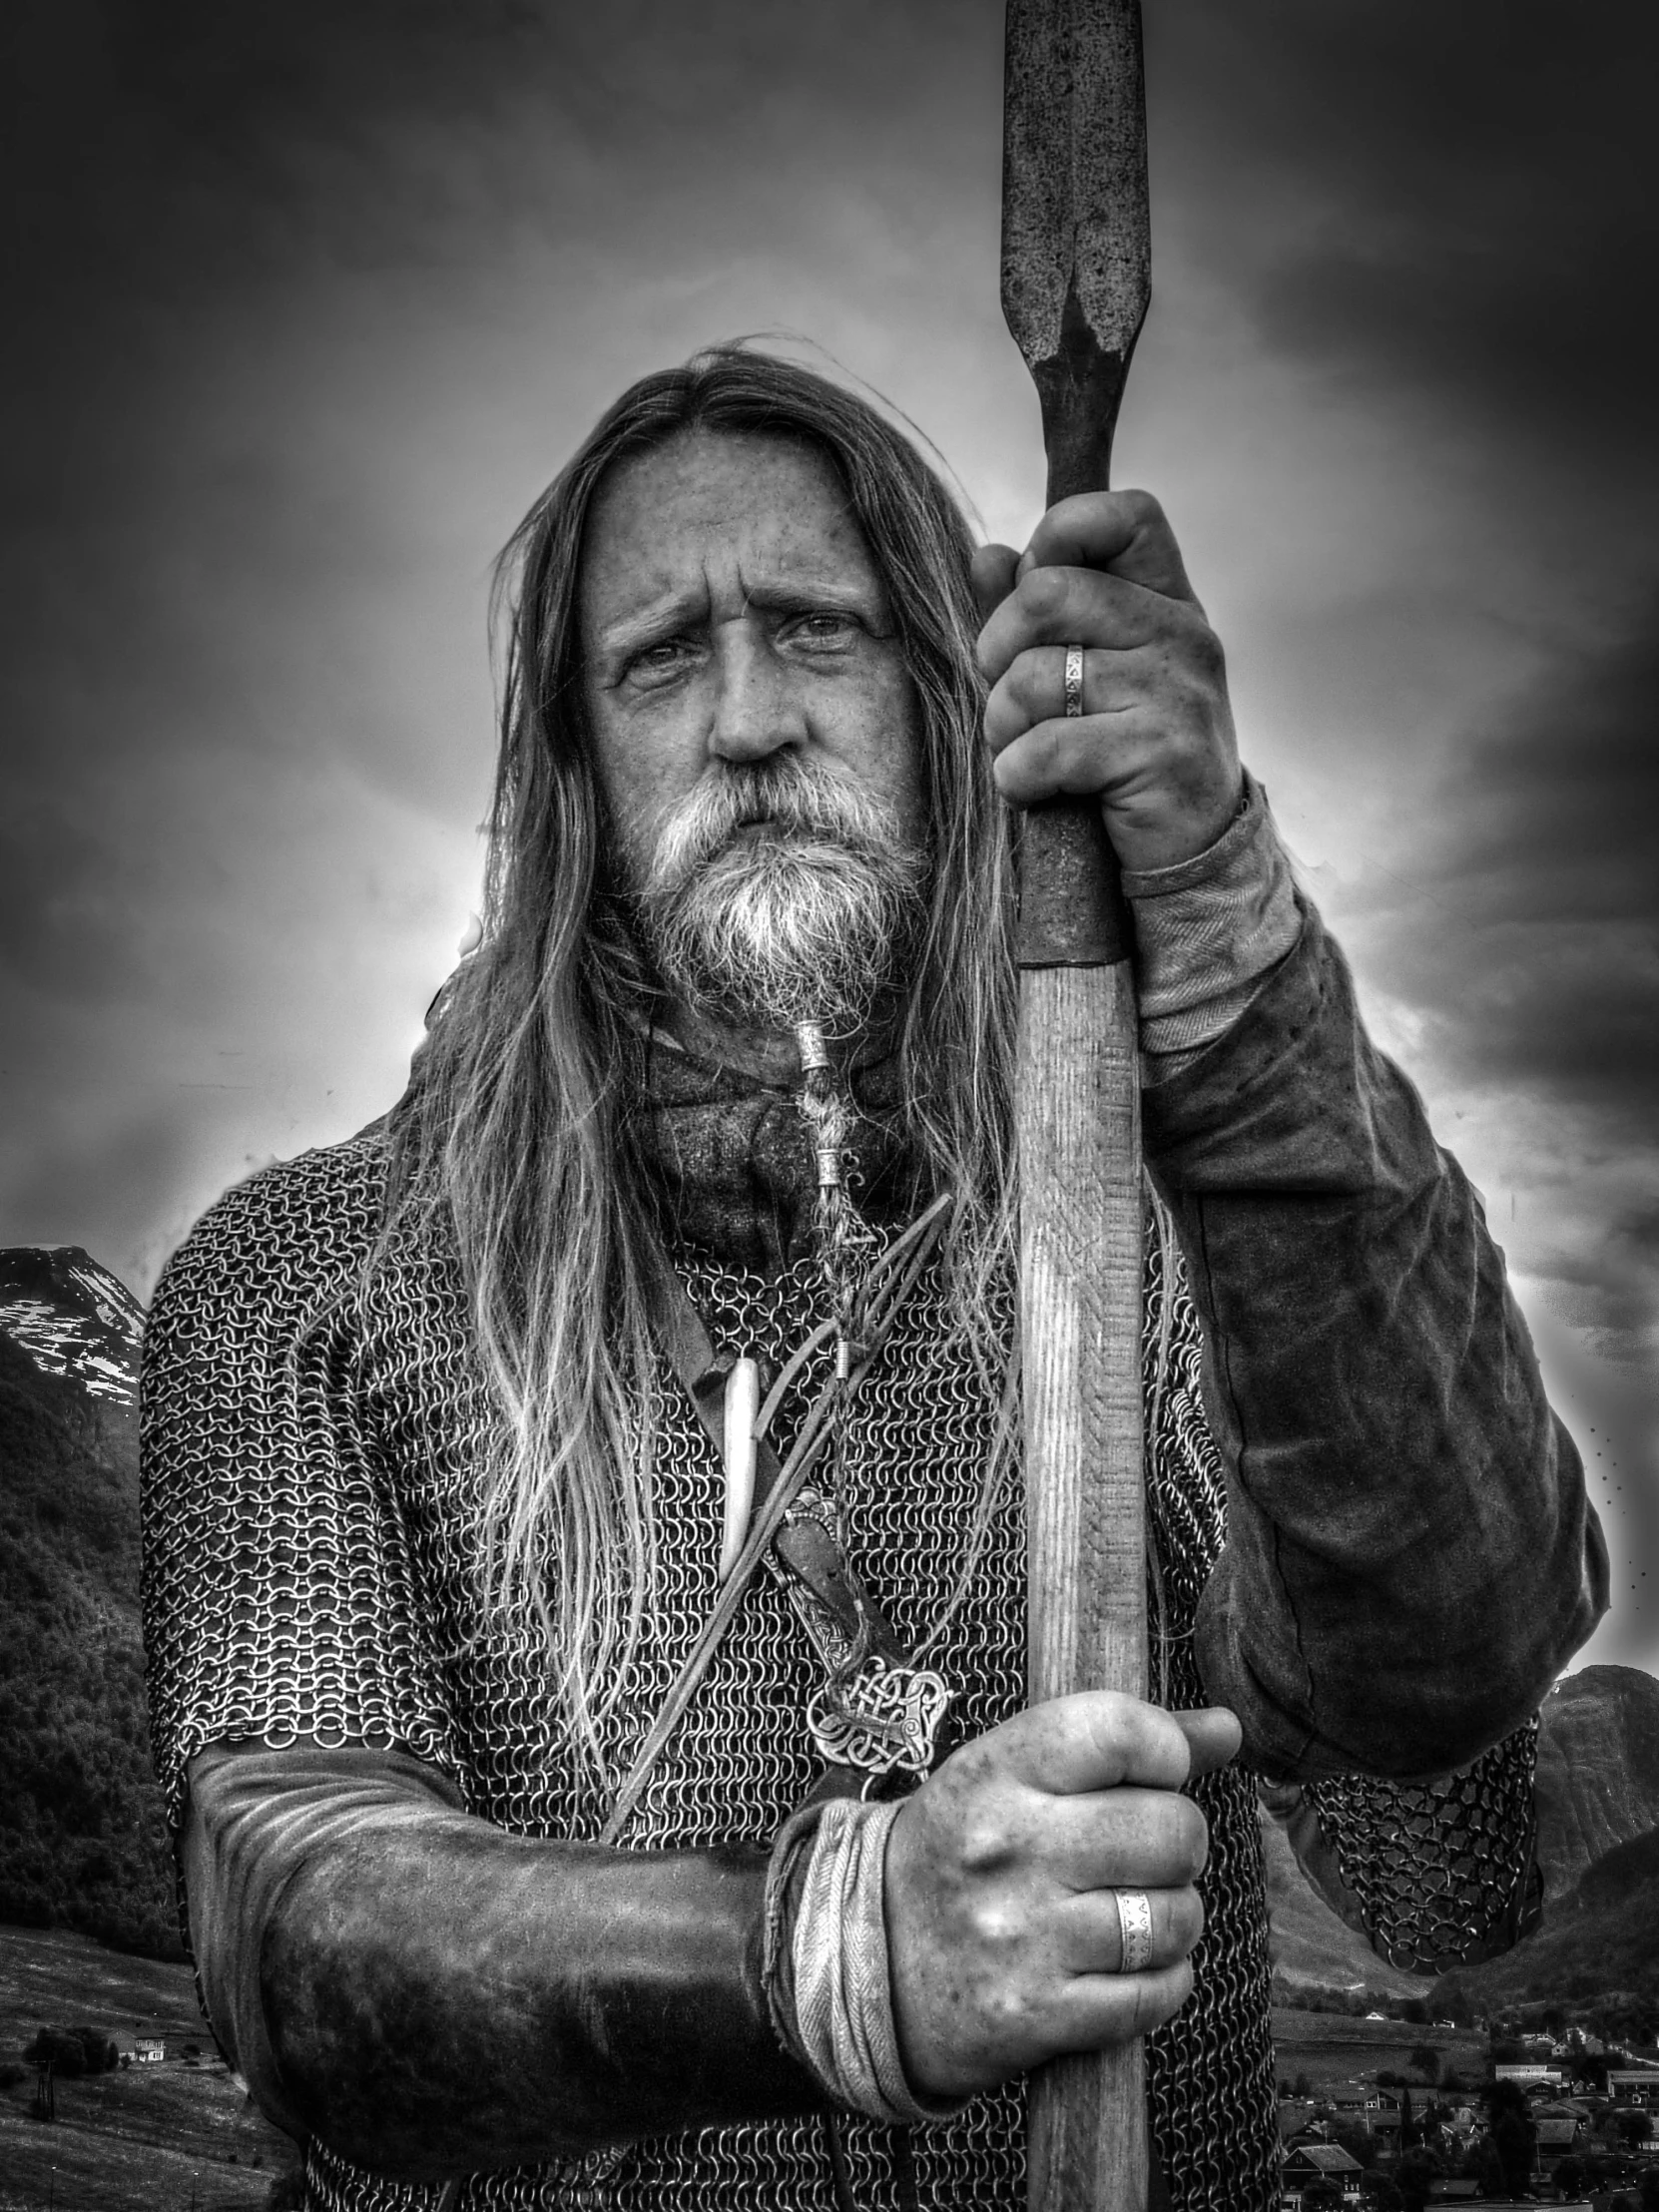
column 1155, row 737
column 1003, row 1924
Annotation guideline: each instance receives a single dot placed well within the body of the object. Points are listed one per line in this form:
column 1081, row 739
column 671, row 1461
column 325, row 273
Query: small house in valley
column 1306, row 2163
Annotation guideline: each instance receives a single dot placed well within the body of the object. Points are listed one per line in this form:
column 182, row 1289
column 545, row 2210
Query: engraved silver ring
column 1135, row 1927
column 1075, row 681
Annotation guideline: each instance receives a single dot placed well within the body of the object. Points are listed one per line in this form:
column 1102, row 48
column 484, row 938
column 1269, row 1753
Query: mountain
column 1617, row 1875
column 1598, row 1846
column 1598, row 1769
column 76, row 1322
column 83, row 1842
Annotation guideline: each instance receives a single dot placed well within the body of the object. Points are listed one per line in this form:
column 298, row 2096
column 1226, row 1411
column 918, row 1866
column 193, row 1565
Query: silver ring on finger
column 1075, row 681
column 1135, row 1928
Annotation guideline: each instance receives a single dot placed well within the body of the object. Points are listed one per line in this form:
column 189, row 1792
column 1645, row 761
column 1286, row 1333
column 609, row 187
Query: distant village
column 1569, row 2121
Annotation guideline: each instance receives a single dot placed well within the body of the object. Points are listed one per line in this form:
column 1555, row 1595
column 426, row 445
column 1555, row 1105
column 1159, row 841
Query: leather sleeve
column 432, row 1997
column 1410, row 1556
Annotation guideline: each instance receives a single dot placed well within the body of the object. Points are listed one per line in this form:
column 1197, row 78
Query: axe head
column 1076, row 242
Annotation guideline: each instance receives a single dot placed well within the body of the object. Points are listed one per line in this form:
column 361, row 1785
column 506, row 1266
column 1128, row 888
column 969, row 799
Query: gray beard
column 808, row 919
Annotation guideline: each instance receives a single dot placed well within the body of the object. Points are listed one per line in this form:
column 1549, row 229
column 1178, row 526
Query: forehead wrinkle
column 807, row 550
column 795, row 591
column 668, row 610
column 796, row 574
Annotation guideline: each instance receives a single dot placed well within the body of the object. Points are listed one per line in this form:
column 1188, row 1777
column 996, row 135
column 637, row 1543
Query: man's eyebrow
column 791, row 593
column 627, row 633
column 821, row 595
column 661, row 619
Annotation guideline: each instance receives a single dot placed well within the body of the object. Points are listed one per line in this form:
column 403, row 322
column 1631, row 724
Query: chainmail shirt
column 313, row 1439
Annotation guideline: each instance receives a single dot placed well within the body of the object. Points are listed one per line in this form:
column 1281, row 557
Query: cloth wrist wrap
column 1207, row 933
column 826, row 1973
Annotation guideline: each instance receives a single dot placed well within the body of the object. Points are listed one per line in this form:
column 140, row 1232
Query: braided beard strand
column 808, row 918
column 796, row 927
column 844, row 1240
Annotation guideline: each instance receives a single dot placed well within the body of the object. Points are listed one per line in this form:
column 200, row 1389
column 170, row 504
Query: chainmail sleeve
column 277, row 1587
column 1435, row 1874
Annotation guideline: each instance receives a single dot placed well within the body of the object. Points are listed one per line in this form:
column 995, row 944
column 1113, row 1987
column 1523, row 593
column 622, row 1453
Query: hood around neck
column 733, row 1159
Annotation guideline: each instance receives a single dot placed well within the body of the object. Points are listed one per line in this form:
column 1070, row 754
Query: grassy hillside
column 147, row 2139
column 1312, row 1948
column 1329, row 2048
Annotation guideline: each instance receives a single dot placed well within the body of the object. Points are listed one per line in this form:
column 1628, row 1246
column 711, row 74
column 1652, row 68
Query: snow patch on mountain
column 73, row 1319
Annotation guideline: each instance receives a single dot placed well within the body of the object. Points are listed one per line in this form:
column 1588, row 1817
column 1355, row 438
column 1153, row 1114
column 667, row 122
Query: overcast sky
column 309, row 299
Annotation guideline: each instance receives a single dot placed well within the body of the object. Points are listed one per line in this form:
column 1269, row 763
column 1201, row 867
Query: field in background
column 1330, row 2047
column 153, row 2138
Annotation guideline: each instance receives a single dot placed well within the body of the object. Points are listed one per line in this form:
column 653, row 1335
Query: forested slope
column 83, row 1844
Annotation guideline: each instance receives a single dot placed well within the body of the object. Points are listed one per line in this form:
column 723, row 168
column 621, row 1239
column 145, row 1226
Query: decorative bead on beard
column 778, row 893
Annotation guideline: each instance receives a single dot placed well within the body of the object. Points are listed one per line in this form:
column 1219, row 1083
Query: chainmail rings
column 312, row 1439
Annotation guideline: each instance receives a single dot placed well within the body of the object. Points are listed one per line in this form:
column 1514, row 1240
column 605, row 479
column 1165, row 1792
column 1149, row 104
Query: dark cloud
column 1467, row 196
column 178, row 143
column 124, row 1187
column 1532, row 925
column 175, row 146
column 1609, row 1292
column 67, row 909
column 1525, row 942
column 1561, row 795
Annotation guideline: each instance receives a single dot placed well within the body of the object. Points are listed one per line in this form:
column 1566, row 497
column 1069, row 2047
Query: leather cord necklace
column 878, row 1713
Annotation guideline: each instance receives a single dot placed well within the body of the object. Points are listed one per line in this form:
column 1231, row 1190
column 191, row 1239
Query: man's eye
column 653, row 662
column 825, row 629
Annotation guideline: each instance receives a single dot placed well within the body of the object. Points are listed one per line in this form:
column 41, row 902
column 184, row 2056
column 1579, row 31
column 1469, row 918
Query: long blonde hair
column 515, row 1125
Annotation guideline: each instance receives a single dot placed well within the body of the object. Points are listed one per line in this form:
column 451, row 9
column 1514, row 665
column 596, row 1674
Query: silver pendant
column 882, row 1718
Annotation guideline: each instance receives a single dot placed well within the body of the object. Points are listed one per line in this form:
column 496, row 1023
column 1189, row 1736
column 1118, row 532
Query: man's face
column 752, row 718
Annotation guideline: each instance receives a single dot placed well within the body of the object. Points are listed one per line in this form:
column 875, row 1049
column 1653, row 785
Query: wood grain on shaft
column 1078, row 1119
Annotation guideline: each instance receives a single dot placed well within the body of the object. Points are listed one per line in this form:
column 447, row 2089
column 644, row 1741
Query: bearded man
column 549, row 1837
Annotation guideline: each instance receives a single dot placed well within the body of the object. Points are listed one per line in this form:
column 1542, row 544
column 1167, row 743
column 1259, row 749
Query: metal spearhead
column 1076, row 238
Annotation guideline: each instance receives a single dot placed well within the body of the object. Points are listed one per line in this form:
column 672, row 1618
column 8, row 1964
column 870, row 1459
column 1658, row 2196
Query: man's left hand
column 1155, row 738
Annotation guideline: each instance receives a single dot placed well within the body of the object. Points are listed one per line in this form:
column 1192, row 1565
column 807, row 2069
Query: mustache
column 810, row 923
column 786, row 792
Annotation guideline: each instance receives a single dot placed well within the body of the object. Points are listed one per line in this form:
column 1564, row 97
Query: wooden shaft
column 1078, row 1123
column 1078, row 1128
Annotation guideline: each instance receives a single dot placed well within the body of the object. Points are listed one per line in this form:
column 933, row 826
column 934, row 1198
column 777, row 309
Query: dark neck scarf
column 733, row 1161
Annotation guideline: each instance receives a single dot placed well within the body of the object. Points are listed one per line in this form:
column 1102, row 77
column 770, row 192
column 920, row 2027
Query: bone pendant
column 743, row 1403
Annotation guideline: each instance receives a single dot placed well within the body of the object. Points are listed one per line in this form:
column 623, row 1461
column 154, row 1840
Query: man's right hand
column 1002, row 1926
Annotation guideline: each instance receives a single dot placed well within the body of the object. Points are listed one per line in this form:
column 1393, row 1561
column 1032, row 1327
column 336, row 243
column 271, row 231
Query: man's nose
column 755, row 710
